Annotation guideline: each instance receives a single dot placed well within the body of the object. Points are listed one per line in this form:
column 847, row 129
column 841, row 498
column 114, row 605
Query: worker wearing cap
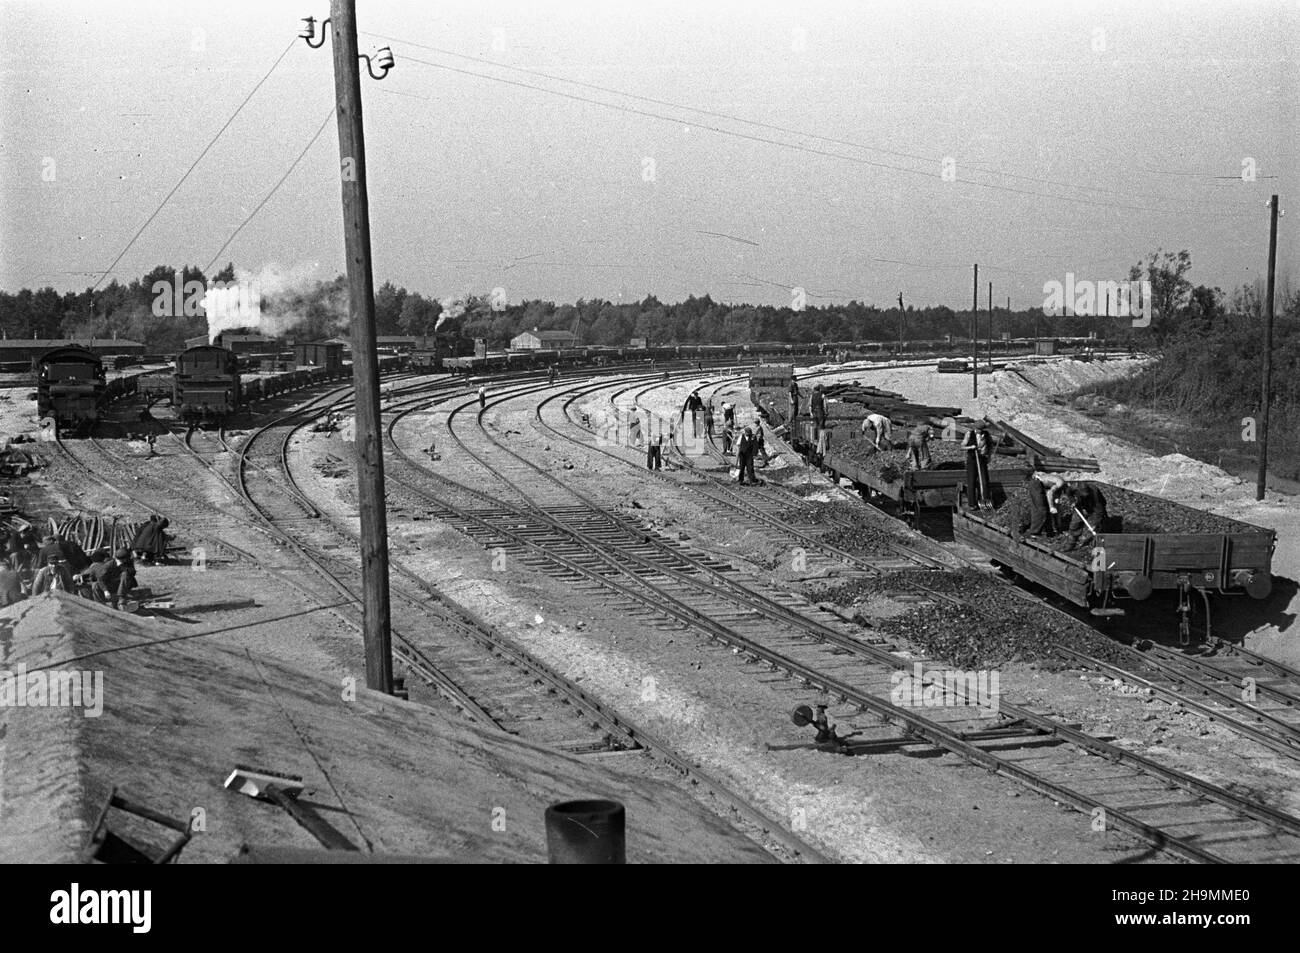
column 745, row 451
column 881, row 429
column 794, row 399
column 977, row 445
column 111, row 580
column 918, row 447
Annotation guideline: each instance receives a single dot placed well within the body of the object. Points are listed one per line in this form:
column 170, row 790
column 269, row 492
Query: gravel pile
column 992, row 626
column 861, row 539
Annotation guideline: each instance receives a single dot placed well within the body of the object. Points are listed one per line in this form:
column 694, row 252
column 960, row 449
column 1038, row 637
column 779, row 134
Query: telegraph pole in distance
column 1262, row 481
column 900, row 325
column 990, row 327
column 365, row 360
column 974, row 339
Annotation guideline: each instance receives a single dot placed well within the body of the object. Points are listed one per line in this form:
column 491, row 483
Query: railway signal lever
column 827, row 739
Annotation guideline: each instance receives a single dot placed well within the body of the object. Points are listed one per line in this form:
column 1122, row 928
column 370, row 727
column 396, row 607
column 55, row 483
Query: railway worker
column 11, row 587
column 482, row 396
column 1087, row 506
column 634, row 429
column 881, row 429
column 918, row 447
column 977, row 445
column 26, row 560
column 552, row 374
column 728, row 415
column 817, row 404
column 695, row 409
column 794, row 399
column 1041, row 491
column 708, row 418
column 150, row 543
column 760, row 443
column 112, row 580
column 745, row 451
column 19, row 538
column 654, row 457
column 54, row 576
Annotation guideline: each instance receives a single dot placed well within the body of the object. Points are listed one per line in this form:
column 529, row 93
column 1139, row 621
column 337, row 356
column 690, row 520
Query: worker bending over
column 1087, row 505
column 1041, row 491
column 881, row 429
column 918, row 448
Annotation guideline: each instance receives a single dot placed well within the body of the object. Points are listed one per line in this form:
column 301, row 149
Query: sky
column 566, row 149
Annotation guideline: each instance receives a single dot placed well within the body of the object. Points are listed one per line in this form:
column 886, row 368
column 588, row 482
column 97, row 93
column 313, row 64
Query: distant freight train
column 207, row 387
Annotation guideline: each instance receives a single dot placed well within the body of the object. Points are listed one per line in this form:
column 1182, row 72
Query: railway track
column 491, row 678
column 1242, row 691
column 1211, row 822
column 1238, row 689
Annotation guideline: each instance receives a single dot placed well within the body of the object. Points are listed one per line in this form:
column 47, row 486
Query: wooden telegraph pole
column 900, row 325
column 990, row 327
column 1262, row 481
column 365, row 361
column 974, row 339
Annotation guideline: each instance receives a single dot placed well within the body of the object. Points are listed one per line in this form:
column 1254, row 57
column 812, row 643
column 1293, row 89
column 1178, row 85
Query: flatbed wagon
column 942, row 486
column 1219, row 556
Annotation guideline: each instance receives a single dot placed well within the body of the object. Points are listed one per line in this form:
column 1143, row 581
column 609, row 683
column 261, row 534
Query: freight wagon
column 884, row 474
column 1154, row 546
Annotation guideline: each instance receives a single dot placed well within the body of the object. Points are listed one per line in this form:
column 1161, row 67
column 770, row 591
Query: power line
column 275, row 188
column 765, row 125
column 193, row 165
column 799, row 148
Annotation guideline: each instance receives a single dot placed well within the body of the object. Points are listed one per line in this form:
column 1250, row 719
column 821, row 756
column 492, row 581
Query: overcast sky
column 742, row 149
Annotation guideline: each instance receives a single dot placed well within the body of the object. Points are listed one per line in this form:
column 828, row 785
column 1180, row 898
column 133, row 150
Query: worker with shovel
column 1088, row 504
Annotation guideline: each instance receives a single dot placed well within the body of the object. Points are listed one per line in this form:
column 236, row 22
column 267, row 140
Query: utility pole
column 900, row 325
column 974, row 340
column 365, row 361
column 990, row 327
column 1009, row 332
column 1267, row 385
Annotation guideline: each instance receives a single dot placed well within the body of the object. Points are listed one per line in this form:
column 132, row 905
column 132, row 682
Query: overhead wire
column 275, row 188
column 213, row 141
column 933, row 160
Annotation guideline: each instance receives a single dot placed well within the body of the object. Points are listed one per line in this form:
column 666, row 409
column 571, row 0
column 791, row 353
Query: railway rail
column 549, row 531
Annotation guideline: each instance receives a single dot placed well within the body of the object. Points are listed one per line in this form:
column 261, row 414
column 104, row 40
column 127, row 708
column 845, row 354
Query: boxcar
column 69, row 386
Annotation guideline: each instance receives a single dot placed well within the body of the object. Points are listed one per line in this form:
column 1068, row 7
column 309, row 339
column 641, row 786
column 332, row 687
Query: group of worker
column 29, row 567
column 1050, row 498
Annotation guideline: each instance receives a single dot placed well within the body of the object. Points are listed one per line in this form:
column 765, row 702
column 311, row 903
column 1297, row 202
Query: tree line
column 131, row 310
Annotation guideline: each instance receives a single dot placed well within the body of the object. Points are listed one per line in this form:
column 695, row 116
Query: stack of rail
column 93, row 533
